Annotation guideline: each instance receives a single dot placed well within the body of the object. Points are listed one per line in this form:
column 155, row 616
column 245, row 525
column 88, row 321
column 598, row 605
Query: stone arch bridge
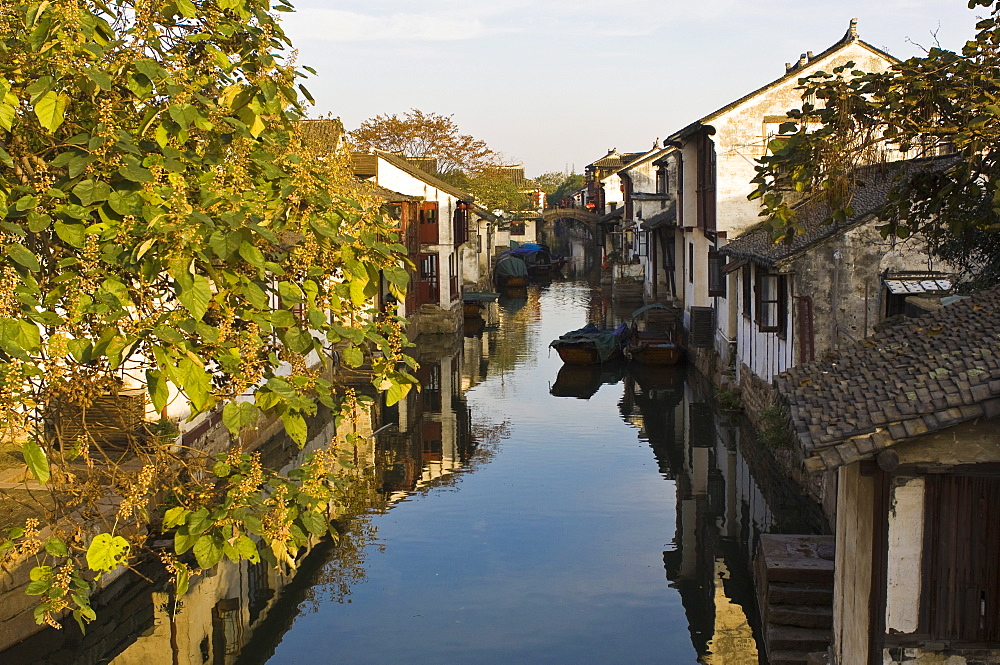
column 584, row 217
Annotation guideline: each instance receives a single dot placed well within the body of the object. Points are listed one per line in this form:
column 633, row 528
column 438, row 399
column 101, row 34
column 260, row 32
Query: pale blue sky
column 555, row 83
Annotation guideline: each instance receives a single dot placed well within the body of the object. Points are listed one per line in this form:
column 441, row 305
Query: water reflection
column 495, row 521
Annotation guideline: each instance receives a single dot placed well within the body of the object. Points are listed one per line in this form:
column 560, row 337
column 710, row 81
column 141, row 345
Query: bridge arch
column 585, row 217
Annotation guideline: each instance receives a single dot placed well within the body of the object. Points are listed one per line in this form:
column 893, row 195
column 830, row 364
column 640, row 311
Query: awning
column 666, row 218
column 734, row 265
column 911, row 286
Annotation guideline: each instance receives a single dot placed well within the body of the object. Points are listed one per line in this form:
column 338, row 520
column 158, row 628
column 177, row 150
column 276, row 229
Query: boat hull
column 577, row 354
column 664, row 355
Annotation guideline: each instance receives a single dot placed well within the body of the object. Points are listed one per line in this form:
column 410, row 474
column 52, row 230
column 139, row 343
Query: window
column 716, row 278
column 706, row 185
column 460, row 231
column 662, row 180
column 429, row 222
column 771, row 302
column 641, row 243
column 517, row 228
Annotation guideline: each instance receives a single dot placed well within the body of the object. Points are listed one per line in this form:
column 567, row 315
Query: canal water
column 514, row 511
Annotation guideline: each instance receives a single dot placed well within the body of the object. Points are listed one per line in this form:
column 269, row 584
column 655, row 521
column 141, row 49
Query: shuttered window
column 716, row 278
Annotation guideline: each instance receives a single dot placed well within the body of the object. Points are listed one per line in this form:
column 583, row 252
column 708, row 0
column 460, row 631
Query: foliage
column 941, row 102
column 419, row 134
column 570, row 184
column 492, row 189
column 166, row 227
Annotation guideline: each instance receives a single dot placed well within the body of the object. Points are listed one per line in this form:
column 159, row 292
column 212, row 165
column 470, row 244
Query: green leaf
column 247, row 549
column 315, row 522
column 196, row 295
column 208, row 550
column 251, row 254
column 186, row 8
column 72, row 234
column 89, row 191
column 183, row 581
column 183, row 114
column 290, row 293
column 196, row 382
column 38, row 221
column 159, row 392
column 22, row 256
column 198, row 522
column 50, row 110
column 298, row 340
column 175, row 517
column 56, row 547
column 295, row 427
column 107, row 552
column 353, row 356
column 125, row 202
column 36, row 460
column 183, row 541
column 396, row 393
column 238, row 414
column 136, row 173
column 221, row 469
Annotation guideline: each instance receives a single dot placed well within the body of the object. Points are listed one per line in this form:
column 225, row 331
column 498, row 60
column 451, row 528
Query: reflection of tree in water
column 346, row 564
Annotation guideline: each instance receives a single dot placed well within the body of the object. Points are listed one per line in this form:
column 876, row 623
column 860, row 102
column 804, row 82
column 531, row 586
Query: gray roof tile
column 901, row 383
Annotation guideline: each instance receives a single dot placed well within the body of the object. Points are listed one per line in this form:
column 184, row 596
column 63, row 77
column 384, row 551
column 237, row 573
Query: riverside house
column 718, row 153
column 898, row 438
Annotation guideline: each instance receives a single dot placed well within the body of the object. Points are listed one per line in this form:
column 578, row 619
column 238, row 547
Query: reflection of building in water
column 432, row 437
column 141, row 622
column 721, row 509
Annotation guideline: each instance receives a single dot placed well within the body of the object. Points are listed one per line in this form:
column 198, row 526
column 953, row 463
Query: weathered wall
column 842, row 276
column 903, row 573
column 741, row 133
column 853, row 574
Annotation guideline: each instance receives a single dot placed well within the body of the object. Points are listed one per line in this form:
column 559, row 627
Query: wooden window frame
column 780, row 302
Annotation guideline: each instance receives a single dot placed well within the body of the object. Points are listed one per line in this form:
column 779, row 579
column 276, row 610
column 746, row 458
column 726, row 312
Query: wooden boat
column 591, row 345
column 473, row 302
column 510, row 270
column 662, row 346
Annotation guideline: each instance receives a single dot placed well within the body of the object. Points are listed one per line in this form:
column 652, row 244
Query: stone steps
column 797, row 640
column 794, row 578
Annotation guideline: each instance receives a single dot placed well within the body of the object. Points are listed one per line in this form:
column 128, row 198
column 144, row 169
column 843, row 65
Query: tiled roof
column 921, row 376
column 872, row 187
column 667, row 216
column 417, row 173
column 390, row 196
column 617, row 213
column 615, row 160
